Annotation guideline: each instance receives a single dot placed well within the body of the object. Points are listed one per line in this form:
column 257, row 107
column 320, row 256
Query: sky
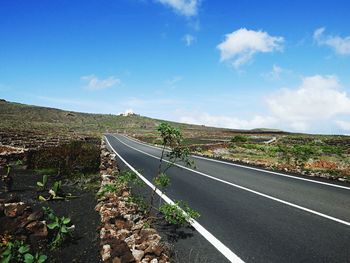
column 225, row 63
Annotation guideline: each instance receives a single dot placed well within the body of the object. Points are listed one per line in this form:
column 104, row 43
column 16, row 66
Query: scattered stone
column 154, row 249
column 106, row 252
column 15, row 209
column 130, row 240
column 37, row 215
column 118, row 248
column 138, row 254
column 117, row 260
column 149, row 257
column 120, row 224
column 123, row 234
column 38, row 228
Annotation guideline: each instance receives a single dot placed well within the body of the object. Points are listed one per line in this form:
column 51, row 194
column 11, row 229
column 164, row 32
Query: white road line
column 250, row 168
column 232, row 257
column 249, row 190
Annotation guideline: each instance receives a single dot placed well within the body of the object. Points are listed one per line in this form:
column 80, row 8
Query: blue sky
column 238, row 64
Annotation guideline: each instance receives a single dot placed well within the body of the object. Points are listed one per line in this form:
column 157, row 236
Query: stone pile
column 17, row 219
column 34, row 140
column 10, row 154
column 124, row 235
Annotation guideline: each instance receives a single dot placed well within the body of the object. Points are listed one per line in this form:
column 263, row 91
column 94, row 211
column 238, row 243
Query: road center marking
column 246, row 189
column 205, row 233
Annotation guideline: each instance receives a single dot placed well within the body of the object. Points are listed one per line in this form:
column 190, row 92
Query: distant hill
column 16, row 116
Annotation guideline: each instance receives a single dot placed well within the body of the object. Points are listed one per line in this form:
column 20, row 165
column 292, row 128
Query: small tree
column 171, row 138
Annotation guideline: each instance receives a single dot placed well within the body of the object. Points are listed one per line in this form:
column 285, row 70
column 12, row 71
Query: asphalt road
column 259, row 216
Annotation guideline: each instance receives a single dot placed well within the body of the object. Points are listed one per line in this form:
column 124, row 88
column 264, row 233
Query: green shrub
column 173, row 213
column 18, row 251
column 240, row 138
column 139, row 200
column 108, row 188
column 60, row 228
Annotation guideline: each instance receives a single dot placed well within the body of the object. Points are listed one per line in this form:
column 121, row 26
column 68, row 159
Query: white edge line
column 205, row 233
column 249, row 190
column 248, row 167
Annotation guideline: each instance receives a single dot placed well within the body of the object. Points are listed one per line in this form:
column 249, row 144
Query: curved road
column 257, row 215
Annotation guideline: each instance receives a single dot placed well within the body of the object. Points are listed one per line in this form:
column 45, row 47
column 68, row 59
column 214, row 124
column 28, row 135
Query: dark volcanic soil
column 85, row 245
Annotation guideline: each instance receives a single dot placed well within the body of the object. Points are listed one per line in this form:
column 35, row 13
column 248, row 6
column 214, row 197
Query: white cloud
column 240, row 46
column 340, row 45
column 184, row 7
column 318, row 98
column 345, row 125
column 188, row 39
column 94, row 83
column 227, row 122
column 275, row 73
column 173, row 81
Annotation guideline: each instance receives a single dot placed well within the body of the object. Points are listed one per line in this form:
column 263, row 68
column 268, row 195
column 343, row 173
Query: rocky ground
column 125, row 236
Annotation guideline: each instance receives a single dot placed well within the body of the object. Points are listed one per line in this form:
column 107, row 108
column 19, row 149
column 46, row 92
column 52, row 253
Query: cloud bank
column 227, row 121
column 319, row 101
column 318, row 98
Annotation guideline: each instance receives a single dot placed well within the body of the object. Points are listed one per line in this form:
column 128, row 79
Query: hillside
column 21, row 117
column 26, row 117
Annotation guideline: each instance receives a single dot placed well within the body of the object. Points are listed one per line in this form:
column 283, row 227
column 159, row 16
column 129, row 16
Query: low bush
column 240, row 138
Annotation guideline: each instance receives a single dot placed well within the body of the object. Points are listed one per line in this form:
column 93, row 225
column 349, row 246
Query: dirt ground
column 84, row 246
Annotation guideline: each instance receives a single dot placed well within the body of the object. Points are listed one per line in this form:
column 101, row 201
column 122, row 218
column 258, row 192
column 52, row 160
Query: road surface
column 252, row 215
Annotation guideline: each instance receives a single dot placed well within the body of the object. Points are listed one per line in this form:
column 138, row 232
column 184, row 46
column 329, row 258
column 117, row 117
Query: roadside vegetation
column 327, row 156
column 314, row 155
